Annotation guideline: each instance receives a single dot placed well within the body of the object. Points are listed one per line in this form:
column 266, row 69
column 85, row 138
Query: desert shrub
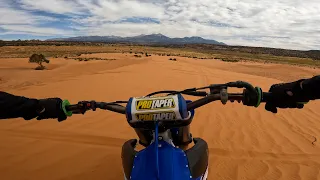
column 92, row 58
column 39, row 59
column 137, row 55
column 229, row 60
column 66, row 57
column 173, row 59
column 130, row 52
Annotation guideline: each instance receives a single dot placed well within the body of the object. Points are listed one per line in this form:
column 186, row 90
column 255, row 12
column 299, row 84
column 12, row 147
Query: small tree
column 39, row 59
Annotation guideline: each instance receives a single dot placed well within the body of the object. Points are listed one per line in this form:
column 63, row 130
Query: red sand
column 245, row 143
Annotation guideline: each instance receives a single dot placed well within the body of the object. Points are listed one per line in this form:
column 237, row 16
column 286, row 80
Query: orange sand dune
column 245, row 143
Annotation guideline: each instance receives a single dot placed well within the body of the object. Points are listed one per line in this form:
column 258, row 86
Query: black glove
column 50, row 109
column 286, row 95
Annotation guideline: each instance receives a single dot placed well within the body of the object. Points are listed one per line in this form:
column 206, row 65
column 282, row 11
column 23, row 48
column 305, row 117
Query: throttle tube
column 266, row 96
column 72, row 107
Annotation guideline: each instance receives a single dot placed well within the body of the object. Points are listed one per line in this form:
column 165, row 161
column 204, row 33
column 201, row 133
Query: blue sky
column 292, row 24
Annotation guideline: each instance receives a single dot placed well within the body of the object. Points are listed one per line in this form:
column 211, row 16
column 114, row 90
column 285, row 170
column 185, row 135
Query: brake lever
column 224, row 96
column 241, row 84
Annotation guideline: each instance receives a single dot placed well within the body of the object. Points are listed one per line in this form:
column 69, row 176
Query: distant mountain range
column 141, row 39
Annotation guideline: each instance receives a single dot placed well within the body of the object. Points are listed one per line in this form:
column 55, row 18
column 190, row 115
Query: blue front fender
column 173, row 164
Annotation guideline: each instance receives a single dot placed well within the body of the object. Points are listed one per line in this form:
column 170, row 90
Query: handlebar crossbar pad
column 165, row 108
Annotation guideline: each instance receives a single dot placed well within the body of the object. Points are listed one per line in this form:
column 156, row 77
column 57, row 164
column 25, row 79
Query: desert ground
column 245, row 143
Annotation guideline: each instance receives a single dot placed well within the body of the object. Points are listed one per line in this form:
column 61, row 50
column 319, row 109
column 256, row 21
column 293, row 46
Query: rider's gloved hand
column 51, row 108
column 286, row 95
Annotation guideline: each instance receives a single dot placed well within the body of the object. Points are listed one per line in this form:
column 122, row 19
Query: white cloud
column 114, row 10
column 274, row 23
column 37, row 31
column 11, row 16
column 52, row 6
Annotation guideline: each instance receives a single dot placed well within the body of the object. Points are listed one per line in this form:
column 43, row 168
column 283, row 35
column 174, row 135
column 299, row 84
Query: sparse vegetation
column 39, row 59
column 200, row 51
column 92, row 58
column 229, row 60
column 139, row 56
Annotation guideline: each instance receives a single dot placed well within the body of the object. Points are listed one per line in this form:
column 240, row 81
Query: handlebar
column 80, row 107
column 83, row 106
